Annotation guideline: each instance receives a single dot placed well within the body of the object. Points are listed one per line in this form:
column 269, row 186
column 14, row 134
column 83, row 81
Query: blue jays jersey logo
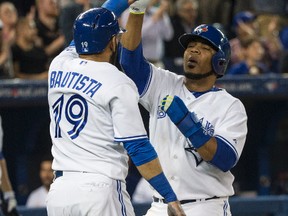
column 191, row 149
column 208, row 128
column 160, row 113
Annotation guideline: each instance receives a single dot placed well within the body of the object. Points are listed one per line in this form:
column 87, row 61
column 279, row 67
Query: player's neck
column 201, row 85
column 96, row 57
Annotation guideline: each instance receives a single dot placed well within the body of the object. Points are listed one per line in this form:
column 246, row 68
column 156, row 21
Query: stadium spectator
column 215, row 11
column 37, row 198
column 157, row 28
column 68, row 15
column 29, row 60
column 47, row 23
column 243, row 26
column 6, row 69
column 183, row 21
column 252, row 63
column 270, row 26
column 9, row 17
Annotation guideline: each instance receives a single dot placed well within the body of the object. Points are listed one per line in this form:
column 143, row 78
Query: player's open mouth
column 191, row 63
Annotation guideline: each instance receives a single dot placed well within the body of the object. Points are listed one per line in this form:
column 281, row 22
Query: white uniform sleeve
column 233, row 128
column 127, row 120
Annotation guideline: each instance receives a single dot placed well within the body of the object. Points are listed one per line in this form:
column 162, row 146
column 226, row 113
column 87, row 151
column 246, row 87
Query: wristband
column 162, row 186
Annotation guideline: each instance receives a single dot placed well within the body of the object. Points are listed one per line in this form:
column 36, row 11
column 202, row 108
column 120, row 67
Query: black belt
column 155, row 199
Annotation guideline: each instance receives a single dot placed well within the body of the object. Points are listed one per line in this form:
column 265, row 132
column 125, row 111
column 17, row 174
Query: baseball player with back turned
column 95, row 122
column 197, row 129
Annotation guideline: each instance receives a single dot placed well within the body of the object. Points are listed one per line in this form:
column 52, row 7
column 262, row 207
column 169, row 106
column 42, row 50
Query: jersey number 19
column 76, row 113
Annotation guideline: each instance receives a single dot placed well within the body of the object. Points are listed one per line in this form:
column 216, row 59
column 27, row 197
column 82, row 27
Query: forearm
column 153, row 173
column 208, row 150
column 132, row 38
column 150, row 169
column 5, row 181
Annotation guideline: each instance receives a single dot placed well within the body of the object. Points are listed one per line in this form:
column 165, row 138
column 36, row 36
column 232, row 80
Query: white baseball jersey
column 222, row 116
column 93, row 108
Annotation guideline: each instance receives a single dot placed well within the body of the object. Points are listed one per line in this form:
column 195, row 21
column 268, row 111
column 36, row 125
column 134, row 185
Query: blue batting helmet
column 217, row 40
column 94, row 29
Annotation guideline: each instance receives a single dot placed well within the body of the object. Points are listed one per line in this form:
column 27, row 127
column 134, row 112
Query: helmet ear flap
column 219, row 63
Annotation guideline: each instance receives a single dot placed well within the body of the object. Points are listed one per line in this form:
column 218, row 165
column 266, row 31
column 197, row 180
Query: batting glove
column 187, row 122
column 139, row 7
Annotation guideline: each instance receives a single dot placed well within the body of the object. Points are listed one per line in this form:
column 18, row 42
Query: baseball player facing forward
column 197, row 129
column 95, row 121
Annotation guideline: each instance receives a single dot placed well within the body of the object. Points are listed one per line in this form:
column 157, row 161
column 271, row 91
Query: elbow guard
column 225, row 157
column 141, row 151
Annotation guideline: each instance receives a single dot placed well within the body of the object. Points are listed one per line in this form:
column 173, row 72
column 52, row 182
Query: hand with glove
column 9, row 204
column 139, row 7
column 187, row 122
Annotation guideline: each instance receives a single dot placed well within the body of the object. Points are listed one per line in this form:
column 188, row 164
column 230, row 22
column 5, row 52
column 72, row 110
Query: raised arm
column 132, row 38
column 131, row 56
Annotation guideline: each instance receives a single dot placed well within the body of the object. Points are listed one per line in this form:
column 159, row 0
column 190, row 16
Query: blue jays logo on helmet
column 217, row 40
column 94, row 29
column 201, row 29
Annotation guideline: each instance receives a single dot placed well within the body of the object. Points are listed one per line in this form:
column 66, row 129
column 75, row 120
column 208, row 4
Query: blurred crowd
column 258, row 33
column 31, row 36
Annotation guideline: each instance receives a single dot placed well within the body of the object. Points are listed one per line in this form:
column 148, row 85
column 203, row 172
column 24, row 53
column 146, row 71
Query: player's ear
column 113, row 44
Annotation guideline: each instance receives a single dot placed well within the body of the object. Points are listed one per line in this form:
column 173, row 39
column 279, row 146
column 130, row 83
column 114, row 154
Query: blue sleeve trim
column 136, row 67
column 141, row 151
column 1, row 156
column 225, row 157
column 130, row 138
column 162, row 186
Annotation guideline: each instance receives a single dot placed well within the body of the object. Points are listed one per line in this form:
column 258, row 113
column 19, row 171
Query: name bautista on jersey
column 74, row 80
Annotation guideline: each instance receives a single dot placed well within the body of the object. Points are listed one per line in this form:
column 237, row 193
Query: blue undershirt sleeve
column 116, row 6
column 135, row 66
column 141, row 151
column 225, row 157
